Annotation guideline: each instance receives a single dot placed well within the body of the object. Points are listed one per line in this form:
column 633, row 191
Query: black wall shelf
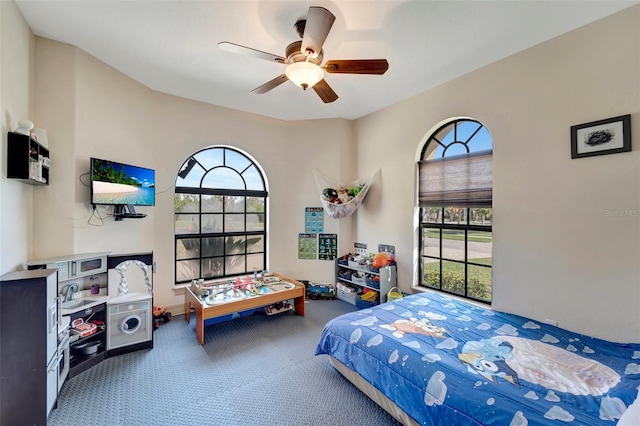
column 126, row 212
column 27, row 160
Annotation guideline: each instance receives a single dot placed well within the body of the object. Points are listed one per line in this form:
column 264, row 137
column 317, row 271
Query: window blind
column 460, row 181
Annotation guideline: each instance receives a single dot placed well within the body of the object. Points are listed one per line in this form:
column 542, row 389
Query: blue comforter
column 446, row 362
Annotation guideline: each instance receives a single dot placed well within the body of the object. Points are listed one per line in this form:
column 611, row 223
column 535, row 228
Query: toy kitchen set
column 88, row 306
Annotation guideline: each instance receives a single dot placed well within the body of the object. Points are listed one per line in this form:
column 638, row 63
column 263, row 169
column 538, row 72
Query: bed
column 429, row 359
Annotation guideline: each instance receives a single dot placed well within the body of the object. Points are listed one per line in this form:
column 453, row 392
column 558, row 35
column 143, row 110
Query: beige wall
column 557, row 254
column 95, row 111
column 16, row 101
column 56, row 220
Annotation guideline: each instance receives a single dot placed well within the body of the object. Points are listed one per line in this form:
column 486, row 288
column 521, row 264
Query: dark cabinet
column 28, row 346
column 27, row 160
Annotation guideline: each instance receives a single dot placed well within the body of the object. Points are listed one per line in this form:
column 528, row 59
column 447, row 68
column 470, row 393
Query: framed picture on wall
column 601, row 137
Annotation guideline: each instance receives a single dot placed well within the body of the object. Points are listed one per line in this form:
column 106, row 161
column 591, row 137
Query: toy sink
column 75, row 303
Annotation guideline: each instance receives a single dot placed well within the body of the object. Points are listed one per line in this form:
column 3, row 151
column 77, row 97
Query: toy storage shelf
column 381, row 280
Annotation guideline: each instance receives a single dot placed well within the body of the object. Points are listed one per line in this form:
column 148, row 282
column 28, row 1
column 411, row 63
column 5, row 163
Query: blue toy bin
column 373, row 283
column 363, row 304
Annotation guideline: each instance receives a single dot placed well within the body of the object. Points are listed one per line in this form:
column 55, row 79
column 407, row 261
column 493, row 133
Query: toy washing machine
column 130, row 304
column 129, row 324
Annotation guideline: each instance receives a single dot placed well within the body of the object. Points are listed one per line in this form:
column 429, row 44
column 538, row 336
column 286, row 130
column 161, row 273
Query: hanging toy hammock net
column 342, row 199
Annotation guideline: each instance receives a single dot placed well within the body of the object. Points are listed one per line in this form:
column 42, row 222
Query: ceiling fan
column 304, row 57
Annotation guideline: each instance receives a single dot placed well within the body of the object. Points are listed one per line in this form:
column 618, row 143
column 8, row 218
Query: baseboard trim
column 175, row 309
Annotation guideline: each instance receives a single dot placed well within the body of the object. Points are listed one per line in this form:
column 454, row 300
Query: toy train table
column 224, row 297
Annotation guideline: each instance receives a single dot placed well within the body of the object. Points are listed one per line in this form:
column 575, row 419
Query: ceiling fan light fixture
column 304, row 74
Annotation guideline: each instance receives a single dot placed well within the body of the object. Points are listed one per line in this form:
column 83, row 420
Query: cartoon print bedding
column 446, row 362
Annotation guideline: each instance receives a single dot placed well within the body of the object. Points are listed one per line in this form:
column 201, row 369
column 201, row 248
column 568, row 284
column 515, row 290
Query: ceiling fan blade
column 271, row 84
column 247, row 51
column 357, row 66
column 316, row 30
column 325, row 91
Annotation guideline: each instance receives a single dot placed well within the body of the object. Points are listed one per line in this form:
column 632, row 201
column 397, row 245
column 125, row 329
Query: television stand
column 126, row 211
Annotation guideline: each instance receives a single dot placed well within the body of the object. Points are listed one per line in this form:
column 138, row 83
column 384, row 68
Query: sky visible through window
column 224, row 169
column 479, row 141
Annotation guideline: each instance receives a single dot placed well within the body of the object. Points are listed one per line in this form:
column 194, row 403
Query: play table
column 227, row 298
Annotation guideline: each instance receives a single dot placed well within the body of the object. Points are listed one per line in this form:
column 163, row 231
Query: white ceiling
column 171, row 46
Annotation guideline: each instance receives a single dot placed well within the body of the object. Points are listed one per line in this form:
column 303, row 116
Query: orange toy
column 160, row 313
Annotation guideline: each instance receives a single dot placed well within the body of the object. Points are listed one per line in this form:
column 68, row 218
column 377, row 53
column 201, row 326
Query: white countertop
column 68, row 258
column 95, row 300
column 130, row 297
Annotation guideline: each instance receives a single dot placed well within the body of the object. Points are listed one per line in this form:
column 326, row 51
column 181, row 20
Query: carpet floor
column 254, row 370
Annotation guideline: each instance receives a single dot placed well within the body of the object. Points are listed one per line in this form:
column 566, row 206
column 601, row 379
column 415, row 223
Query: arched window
column 220, row 216
column 455, row 202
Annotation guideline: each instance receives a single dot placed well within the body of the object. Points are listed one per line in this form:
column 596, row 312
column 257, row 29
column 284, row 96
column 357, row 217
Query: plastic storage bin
column 358, row 278
column 372, row 282
column 364, row 304
column 345, row 274
column 364, row 267
column 349, row 297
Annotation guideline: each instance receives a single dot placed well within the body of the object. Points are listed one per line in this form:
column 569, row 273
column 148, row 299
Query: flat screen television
column 119, row 184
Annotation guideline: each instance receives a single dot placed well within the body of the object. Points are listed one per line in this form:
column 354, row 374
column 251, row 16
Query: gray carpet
column 255, row 370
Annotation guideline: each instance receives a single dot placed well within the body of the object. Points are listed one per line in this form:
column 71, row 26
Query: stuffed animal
column 381, row 260
column 343, row 196
column 355, row 190
column 330, row 194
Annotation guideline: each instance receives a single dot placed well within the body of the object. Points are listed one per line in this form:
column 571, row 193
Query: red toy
column 160, row 313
